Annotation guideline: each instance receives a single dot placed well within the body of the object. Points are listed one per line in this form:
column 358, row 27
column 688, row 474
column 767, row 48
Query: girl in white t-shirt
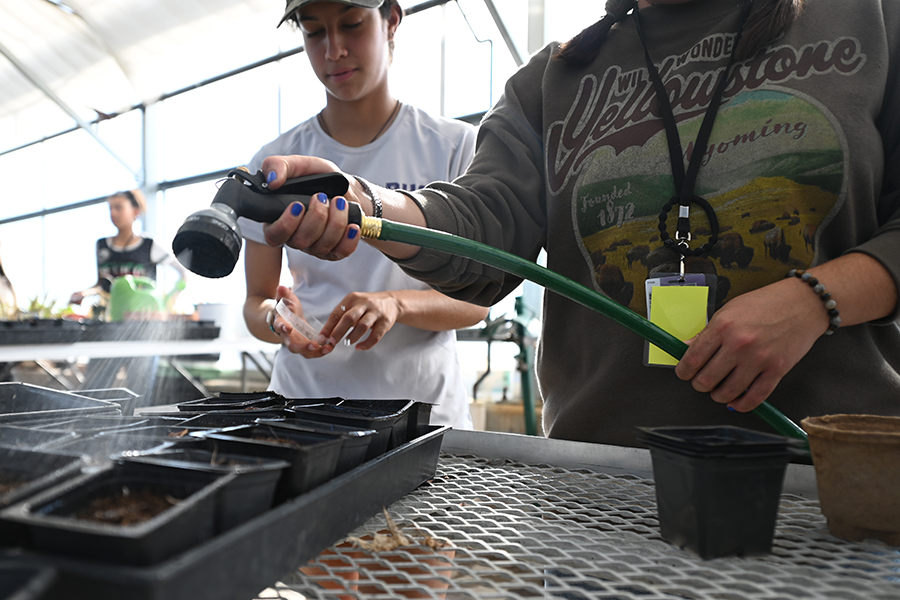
column 402, row 333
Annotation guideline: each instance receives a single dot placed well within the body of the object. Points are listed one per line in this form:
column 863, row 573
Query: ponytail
column 584, row 47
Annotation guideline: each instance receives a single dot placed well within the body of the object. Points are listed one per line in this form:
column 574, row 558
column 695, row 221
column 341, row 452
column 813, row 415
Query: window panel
column 218, row 125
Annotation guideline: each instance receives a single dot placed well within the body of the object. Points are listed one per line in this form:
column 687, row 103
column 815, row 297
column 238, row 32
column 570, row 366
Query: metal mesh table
column 516, row 530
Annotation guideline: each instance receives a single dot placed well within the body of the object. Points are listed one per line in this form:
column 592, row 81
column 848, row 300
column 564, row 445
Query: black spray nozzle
column 209, row 241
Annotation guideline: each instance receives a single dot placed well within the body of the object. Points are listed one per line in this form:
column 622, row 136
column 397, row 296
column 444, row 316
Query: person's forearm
column 433, row 311
column 860, row 285
column 256, row 309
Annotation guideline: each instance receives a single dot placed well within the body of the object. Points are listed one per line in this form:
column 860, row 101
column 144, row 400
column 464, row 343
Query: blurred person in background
column 128, row 253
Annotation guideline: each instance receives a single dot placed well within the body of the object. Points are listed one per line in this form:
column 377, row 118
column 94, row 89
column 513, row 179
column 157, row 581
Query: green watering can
column 132, row 294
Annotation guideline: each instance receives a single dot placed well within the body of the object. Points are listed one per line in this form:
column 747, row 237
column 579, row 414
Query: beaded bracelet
column 376, row 201
column 834, row 319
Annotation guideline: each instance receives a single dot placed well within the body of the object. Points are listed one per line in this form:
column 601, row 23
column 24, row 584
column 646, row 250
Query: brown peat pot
column 857, row 462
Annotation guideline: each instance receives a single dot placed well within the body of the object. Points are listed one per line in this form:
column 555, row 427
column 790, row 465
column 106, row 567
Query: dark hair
column 135, row 197
column 768, row 19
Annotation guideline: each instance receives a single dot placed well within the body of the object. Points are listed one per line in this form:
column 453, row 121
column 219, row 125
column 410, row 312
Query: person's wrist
column 270, row 320
column 372, row 196
column 829, row 303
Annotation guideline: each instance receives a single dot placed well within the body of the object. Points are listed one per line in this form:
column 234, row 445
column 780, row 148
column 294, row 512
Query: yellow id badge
column 679, row 309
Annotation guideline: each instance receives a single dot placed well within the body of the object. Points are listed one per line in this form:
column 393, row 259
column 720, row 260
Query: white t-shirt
column 407, row 363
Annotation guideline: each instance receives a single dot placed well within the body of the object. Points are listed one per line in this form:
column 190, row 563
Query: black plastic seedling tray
column 104, row 331
column 239, row 563
column 249, row 494
column 313, row 456
column 27, row 402
column 40, row 331
column 57, row 522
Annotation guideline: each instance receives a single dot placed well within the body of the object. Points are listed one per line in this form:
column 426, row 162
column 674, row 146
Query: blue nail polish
column 271, row 177
column 296, row 209
column 322, row 198
column 351, row 235
column 341, row 204
column 731, row 408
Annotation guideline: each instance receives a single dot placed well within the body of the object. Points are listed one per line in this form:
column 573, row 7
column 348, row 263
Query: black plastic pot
column 313, row 456
column 25, row 582
column 27, row 402
column 55, row 527
column 250, row 493
column 717, row 488
column 355, row 445
column 360, row 418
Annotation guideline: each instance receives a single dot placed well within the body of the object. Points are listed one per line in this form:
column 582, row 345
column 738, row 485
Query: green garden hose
column 390, row 231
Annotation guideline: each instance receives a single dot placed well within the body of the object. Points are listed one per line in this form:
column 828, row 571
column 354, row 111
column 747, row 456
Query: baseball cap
column 294, row 5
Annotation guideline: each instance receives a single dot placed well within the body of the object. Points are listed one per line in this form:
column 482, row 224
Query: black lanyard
column 685, row 181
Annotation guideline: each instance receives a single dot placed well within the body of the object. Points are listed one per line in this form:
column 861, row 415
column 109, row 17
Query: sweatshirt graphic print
column 774, row 169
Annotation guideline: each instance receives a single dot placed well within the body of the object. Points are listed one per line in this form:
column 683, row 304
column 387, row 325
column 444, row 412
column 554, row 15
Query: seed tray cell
column 355, row 444
column 382, row 423
column 75, row 518
column 250, row 493
column 313, row 456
